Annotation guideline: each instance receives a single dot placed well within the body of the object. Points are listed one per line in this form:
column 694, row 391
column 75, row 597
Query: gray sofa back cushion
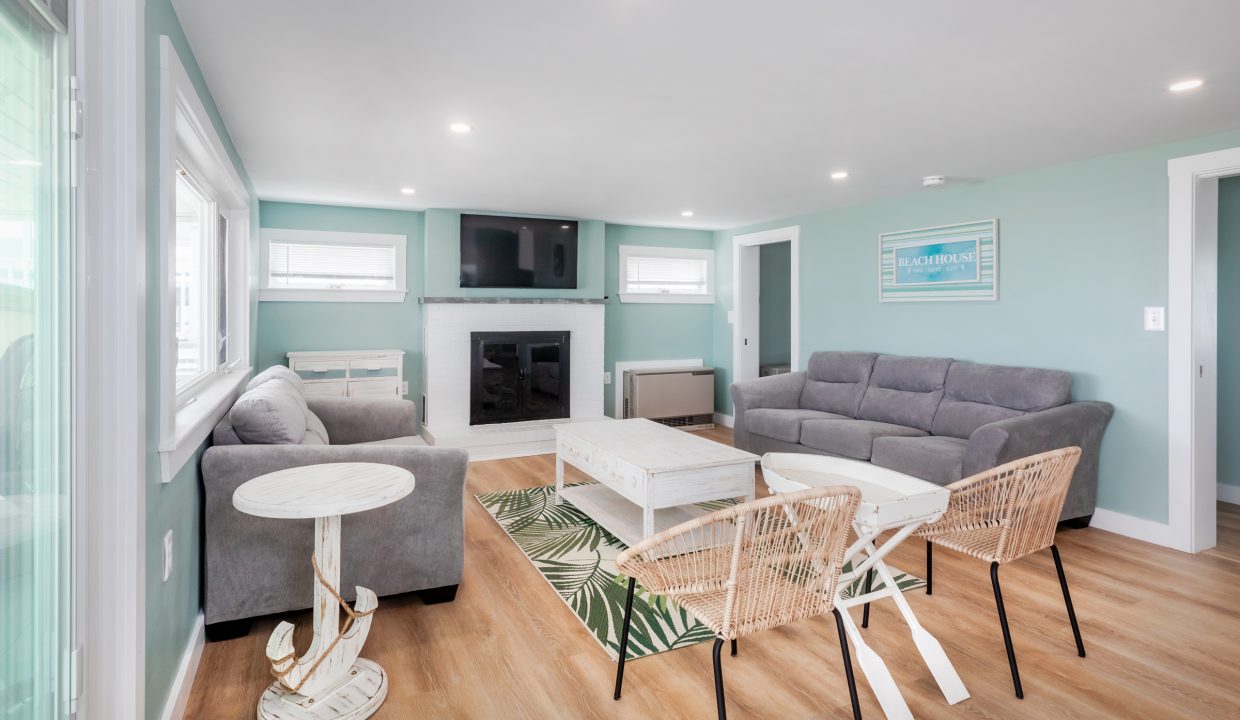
column 278, row 372
column 905, row 390
column 275, row 413
column 975, row 395
column 835, row 382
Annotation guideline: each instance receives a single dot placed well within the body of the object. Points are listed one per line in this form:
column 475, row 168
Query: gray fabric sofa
column 257, row 566
column 934, row 418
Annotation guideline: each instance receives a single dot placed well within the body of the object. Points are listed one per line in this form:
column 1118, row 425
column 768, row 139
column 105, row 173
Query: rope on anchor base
column 291, row 659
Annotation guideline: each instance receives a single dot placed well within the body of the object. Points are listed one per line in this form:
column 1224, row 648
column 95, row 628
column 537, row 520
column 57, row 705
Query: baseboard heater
column 678, row 397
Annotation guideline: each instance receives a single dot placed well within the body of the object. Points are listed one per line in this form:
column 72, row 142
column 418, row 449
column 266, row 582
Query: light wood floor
column 1162, row 631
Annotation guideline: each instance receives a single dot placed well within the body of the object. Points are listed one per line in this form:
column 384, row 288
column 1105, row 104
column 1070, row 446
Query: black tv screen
column 514, row 252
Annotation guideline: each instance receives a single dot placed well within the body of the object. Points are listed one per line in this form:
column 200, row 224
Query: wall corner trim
column 178, row 694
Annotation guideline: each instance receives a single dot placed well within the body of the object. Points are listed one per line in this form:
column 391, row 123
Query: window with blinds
column 333, row 267
column 659, row 274
column 305, row 265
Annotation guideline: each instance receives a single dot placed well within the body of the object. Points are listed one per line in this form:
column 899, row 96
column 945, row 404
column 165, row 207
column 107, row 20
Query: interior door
column 35, row 503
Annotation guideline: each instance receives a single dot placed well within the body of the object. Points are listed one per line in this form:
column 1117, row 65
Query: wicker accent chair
column 748, row 568
column 1002, row 515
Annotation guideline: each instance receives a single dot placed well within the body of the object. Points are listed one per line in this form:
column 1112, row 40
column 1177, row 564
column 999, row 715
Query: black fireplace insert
column 516, row 376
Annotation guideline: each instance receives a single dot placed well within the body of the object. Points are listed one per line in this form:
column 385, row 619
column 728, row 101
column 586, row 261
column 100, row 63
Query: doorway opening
column 1200, row 471
column 1228, row 416
column 766, row 305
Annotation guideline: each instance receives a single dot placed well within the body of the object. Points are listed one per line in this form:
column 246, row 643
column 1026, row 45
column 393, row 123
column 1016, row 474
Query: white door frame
column 110, row 359
column 1192, row 346
column 791, row 235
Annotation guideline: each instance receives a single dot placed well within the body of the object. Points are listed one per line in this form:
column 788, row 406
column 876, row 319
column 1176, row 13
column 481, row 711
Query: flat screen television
column 515, row 252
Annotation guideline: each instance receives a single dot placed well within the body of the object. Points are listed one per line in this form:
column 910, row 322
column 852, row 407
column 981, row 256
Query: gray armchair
column 257, row 566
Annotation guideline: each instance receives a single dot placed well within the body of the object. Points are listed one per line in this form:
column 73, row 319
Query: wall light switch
column 167, row 555
column 1156, row 319
column 731, row 317
column 606, row 378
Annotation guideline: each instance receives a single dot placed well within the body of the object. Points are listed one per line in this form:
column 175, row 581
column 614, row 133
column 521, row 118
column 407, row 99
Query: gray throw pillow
column 274, row 413
column 316, row 431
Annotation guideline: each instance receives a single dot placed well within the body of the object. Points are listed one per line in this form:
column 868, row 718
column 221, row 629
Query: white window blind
column 666, row 275
column 332, row 266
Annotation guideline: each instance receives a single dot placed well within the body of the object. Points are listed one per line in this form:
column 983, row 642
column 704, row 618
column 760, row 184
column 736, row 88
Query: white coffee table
column 649, row 475
column 330, row 681
column 889, row 501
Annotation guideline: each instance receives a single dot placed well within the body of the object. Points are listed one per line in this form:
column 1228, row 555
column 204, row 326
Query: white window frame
column 267, row 293
column 188, row 139
column 627, row 251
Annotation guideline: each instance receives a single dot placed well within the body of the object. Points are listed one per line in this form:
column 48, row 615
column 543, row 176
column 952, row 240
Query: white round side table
column 329, row 682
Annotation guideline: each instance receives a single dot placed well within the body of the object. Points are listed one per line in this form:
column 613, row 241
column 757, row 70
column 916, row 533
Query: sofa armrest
column 356, row 420
column 774, row 391
column 1079, row 424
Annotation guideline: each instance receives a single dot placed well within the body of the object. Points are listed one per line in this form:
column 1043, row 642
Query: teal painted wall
column 443, row 260
column 775, row 304
column 651, row 331
column 1229, row 331
column 1083, row 247
column 171, row 607
column 288, row 326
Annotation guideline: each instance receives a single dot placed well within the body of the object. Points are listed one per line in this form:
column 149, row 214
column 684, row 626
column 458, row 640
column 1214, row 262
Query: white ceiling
column 634, row 110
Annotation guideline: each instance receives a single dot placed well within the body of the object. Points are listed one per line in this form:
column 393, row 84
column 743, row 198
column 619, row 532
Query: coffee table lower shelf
column 619, row 515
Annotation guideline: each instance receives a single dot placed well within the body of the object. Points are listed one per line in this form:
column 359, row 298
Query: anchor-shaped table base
column 330, row 681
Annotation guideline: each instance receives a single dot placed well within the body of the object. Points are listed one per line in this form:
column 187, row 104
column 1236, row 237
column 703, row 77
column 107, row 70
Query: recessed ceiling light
column 839, row 175
column 687, row 213
column 1184, row 85
column 459, row 127
column 407, row 191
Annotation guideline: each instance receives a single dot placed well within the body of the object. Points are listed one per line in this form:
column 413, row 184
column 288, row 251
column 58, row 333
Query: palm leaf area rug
column 578, row 558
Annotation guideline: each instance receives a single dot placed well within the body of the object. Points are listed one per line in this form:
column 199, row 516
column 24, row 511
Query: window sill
column 661, row 298
column 363, row 296
column 194, row 422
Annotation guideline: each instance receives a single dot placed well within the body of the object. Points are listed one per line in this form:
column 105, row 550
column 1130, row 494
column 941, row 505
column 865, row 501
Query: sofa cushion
column 277, row 372
column 835, row 381
column 850, row 438
column 316, row 431
column 782, row 424
column 905, row 390
column 274, row 413
column 937, row 459
column 975, row 395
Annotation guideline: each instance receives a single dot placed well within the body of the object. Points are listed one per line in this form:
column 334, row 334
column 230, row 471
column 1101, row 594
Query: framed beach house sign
column 949, row 262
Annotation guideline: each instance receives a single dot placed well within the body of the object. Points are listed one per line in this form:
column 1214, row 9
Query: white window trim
column 660, row 251
column 187, row 137
column 329, row 237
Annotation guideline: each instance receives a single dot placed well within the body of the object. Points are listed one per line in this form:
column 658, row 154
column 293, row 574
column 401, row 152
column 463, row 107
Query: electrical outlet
column 1155, row 319
column 404, row 389
column 606, row 378
column 167, row 555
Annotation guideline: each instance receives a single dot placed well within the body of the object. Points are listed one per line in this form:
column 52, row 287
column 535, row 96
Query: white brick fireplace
column 446, row 327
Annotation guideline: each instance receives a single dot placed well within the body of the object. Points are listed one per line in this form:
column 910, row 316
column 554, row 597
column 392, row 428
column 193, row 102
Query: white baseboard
column 1229, row 493
column 724, row 420
column 1133, row 527
column 178, row 696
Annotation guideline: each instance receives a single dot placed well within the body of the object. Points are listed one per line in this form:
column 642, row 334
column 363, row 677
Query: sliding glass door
column 35, row 507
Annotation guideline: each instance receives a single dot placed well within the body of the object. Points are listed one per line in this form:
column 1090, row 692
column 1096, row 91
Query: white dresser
column 350, row 373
